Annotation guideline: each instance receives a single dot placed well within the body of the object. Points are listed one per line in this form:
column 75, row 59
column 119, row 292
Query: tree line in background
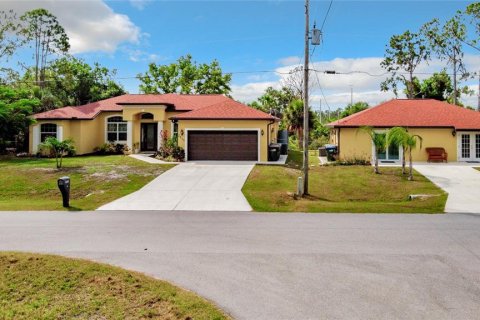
column 403, row 55
column 52, row 78
column 444, row 41
column 44, row 76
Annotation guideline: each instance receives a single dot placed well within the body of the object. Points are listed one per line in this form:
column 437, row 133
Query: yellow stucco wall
column 355, row 144
column 88, row 134
column 131, row 113
column 231, row 124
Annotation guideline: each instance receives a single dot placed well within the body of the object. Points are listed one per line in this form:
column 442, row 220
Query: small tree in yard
column 398, row 136
column 59, row 148
column 379, row 142
column 401, row 137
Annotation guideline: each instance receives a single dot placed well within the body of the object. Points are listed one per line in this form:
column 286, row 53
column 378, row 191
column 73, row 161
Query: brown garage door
column 223, row 145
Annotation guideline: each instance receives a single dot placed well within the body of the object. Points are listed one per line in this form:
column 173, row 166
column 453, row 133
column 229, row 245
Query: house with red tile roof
column 208, row 127
column 440, row 124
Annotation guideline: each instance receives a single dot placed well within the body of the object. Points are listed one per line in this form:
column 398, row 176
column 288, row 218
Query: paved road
column 462, row 183
column 202, row 186
column 282, row 266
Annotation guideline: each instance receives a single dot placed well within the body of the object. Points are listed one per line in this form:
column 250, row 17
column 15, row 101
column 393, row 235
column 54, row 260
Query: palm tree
column 397, row 136
column 294, row 119
column 411, row 143
column 401, row 137
column 379, row 142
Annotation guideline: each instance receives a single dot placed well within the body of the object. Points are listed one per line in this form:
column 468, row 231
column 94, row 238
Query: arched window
column 116, row 129
column 47, row 130
column 147, row 116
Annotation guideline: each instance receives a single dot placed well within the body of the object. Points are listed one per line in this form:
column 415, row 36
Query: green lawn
column 340, row 189
column 31, row 184
column 34, row 286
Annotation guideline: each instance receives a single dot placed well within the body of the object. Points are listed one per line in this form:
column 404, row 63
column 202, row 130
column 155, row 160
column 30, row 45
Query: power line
column 372, row 74
column 321, row 90
column 326, row 15
column 294, row 70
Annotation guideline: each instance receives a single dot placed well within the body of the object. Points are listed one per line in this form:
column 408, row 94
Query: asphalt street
column 280, row 266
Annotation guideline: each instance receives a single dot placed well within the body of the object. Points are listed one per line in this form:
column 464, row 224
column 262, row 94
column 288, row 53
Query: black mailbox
column 64, row 186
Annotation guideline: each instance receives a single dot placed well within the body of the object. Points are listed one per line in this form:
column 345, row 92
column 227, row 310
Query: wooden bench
column 437, row 154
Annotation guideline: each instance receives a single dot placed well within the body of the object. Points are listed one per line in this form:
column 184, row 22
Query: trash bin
column 332, row 151
column 322, row 151
column 64, row 186
column 274, row 151
column 282, row 138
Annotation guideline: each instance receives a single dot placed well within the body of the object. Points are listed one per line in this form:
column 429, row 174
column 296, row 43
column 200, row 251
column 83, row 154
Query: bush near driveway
column 340, row 189
column 31, row 183
column 34, row 286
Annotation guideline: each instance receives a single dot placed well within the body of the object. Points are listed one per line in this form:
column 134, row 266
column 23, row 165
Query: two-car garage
column 222, row 145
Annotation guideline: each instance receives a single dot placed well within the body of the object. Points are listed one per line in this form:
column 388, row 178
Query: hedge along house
column 208, row 127
column 440, row 124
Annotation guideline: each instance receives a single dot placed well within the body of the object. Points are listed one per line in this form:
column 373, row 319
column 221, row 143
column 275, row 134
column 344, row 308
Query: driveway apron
column 202, row 186
column 462, row 183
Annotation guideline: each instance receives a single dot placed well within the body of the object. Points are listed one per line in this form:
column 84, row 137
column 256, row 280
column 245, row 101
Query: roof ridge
column 338, row 121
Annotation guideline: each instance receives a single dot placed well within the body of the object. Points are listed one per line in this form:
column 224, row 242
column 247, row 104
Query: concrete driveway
column 461, row 182
column 212, row 186
column 280, row 266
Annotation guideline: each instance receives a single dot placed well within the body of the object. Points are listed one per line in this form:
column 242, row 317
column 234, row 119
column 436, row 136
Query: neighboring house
column 208, row 127
column 440, row 124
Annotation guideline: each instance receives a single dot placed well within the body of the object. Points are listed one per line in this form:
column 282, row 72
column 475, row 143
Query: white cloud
column 139, row 4
column 288, row 61
column 137, row 55
column 91, row 25
column 251, row 91
column 365, row 76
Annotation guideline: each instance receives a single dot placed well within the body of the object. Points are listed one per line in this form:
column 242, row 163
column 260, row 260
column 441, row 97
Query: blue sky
column 245, row 36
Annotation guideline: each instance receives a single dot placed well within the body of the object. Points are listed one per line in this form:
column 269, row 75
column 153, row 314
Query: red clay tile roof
column 91, row 110
column 181, row 102
column 413, row 113
column 227, row 110
column 87, row 111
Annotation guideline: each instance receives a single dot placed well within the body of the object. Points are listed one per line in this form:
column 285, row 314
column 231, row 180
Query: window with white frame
column 47, row 130
column 116, row 129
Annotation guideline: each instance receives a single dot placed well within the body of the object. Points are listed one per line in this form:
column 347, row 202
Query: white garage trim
column 222, row 129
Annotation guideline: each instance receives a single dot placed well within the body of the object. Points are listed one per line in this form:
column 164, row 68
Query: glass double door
column 391, row 153
column 469, row 146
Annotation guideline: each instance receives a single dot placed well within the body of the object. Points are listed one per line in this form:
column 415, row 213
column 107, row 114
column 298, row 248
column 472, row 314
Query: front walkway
column 201, row 186
column 460, row 180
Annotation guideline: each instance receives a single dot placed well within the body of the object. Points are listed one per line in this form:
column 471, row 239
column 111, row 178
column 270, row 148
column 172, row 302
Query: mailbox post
column 64, row 186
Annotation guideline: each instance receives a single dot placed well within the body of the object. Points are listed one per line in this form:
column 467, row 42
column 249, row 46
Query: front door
column 469, row 146
column 148, row 137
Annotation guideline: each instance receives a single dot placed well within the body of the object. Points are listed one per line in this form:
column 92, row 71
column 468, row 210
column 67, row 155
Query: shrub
column 317, row 143
column 178, row 153
column 59, row 149
column 110, row 148
column 293, row 143
column 170, row 151
column 353, row 162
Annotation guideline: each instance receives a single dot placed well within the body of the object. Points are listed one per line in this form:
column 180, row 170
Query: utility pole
column 351, row 94
column 305, row 100
column 478, row 103
column 454, row 77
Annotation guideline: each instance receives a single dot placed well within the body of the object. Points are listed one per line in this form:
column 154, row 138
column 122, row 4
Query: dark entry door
column 223, row 145
column 148, row 137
